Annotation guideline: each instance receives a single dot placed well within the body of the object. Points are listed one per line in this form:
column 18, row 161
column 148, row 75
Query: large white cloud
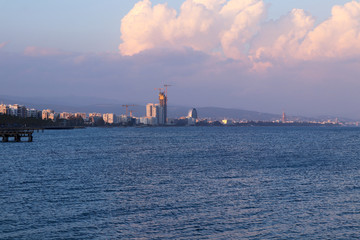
column 281, row 38
column 205, row 25
column 237, row 29
column 337, row 37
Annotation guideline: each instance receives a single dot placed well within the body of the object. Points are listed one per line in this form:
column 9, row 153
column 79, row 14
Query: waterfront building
column 149, row 109
column 137, row 121
column 82, row 115
column 151, row 121
column 191, row 121
column 227, row 122
column 153, row 110
column 46, row 114
column 17, row 110
column 110, row 118
column 95, row 119
column 32, row 113
column 4, row 109
column 65, row 115
column 54, row 116
column 192, row 113
column 123, row 119
column 95, row 115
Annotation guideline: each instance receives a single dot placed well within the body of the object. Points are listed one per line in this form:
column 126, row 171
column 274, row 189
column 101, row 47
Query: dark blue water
column 182, row 183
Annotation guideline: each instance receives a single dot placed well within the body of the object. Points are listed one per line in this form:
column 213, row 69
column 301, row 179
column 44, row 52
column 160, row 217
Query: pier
column 16, row 134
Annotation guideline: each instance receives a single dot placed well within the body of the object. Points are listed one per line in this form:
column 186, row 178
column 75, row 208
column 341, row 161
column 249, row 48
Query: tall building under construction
column 162, row 108
column 158, row 112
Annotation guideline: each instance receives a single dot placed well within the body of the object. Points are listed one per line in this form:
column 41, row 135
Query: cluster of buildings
column 19, row 111
column 46, row 114
column 156, row 115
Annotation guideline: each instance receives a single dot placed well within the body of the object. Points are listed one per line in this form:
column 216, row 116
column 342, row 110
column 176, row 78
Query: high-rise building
column 284, row 120
column 152, row 110
column 192, row 113
column 162, row 108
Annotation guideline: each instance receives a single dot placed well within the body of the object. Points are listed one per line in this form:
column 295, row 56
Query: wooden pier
column 16, row 134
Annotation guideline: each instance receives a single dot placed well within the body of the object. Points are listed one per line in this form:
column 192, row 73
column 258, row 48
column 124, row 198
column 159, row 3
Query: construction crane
column 166, row 87
column 127, row 107
column 160, row 89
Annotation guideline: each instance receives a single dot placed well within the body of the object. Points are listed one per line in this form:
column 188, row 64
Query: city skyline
column 260, row 55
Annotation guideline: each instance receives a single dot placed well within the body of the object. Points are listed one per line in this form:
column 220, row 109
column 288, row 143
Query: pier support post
column 5, row 138
column 17, row 138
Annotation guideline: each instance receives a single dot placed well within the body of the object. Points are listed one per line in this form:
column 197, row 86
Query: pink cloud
column 203, row 25
column 237, row 30
column 337, row 37
column 3, row 44
column 37, row 51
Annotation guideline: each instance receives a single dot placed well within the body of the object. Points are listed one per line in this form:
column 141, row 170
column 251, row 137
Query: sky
column 264, row 55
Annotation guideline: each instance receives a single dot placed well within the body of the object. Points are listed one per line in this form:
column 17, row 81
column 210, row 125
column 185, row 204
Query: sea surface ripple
column 182, row 183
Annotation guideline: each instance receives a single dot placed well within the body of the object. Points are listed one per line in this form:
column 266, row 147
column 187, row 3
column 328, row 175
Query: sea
column 182, row 183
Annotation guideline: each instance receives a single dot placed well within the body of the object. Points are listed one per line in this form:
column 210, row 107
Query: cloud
column 203, row 25
column 337, row 37
column 3, row 44
column 38, row 51
column 281, row 38
column 237, row 29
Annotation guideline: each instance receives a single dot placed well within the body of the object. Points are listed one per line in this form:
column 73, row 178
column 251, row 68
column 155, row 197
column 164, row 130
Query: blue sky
column 94, row 26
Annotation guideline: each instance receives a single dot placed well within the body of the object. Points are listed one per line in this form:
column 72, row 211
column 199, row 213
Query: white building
column 110, row 118
column 154, row 110
column 17, row 110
